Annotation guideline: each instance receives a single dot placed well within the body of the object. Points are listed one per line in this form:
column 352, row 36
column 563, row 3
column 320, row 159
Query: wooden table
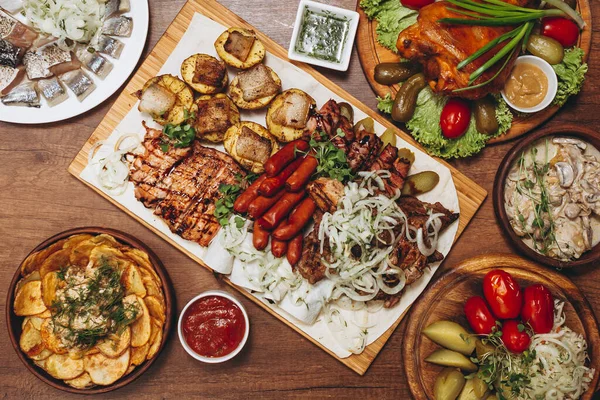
column 39, row 198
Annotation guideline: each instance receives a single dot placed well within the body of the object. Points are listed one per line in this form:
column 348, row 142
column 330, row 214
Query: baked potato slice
column 28, row 300
column 105, row 370
column 115, row 344
column 31, row 340
column 83, row 381
column 255, row 88
column 288, row 113
column 251, row 145
column 61, row 366
column 214, row 115
column 168, row 99
column 204, row 73
column 240, row 48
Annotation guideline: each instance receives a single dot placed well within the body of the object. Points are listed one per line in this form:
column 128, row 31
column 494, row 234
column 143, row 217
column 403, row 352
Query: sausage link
column 302, row 175
column 270, row 186
column 280, row 210
column 278, row 161
column 260, row 237
column 261, row 204
column 243, row 201
column 278, row 247
column 298, row 218
column 294, row 250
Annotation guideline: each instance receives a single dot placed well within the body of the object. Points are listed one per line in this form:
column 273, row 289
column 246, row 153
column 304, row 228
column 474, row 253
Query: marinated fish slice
column 93, row 61
column 16, row 33
column 118, row 26
column 53, row 91
column 10, row 55
column 124, row 6
column 110, row 46
column 54, row 55
column 36, row 66
column 62, row 68
column 79, row 83
column 111, row 7
column 10, row 77
column 7, row 23
column 23, row 95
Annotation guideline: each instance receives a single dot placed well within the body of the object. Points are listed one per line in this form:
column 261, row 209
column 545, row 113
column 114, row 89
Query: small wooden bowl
column 13, row 322
column 587, row 135
column 446, row 297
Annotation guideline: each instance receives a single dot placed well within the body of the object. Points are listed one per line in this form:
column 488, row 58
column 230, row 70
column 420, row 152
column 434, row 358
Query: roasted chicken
column 439, row 48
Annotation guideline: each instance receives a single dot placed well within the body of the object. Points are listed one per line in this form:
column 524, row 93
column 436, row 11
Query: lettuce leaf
column 571, row 74
column 392, row 18
column 425, row 126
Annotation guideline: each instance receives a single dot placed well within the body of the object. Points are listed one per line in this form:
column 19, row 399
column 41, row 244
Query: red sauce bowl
column 213, row 327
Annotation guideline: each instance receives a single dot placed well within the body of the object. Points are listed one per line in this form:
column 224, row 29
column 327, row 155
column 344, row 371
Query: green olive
column 366, row 124
column 406, row 98
column 485, row 116
column 347, row 111
column 546, row 48
column 392, row 73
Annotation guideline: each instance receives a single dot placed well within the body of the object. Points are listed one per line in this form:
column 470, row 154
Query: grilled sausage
column 278, row 247
column 294, row 250
column 301, row 176
column 280, row 210
column 260, row 237
column 243, row 201
column 278, row 161
column 270, row 186
column 261, row 204
column 296, row 221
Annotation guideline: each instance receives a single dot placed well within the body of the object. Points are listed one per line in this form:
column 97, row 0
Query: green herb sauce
column 322, row 35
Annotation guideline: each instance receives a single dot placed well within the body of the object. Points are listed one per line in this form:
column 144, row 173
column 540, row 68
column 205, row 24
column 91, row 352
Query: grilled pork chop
column 439, row 48
column 182, row 185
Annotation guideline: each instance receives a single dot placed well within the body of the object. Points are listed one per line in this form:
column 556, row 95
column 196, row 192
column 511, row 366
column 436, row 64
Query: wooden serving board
column 470, row 194
column 371, row 53
column 446, row 297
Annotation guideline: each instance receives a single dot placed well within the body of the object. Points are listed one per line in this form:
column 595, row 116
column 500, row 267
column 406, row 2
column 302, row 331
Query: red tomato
column 538, row 308
column 514, row 339
column 479, row 316
column 455, row 118
column 416, row 4
column 564, row 30
column 503, row 294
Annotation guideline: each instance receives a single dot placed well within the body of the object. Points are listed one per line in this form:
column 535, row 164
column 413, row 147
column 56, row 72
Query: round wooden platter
column 13, row 322
column 371, row 53
column 445, row 300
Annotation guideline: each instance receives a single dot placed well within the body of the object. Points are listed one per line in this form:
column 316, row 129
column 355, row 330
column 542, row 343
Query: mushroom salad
column 552, row 197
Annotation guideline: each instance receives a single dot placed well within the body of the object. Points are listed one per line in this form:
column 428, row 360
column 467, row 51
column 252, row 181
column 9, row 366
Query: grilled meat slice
column 386, row 158
column 439, row 48
column 417, row 212
column 363, row 151
column 310, row 265
column 326, row 193
column 328, row 120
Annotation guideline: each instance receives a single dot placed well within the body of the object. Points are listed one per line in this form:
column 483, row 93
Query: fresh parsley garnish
column 179, row 136
column 332, row 160
column 224, row 206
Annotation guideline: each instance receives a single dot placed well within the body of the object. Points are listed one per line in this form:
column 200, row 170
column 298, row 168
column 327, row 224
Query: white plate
column 123, row 67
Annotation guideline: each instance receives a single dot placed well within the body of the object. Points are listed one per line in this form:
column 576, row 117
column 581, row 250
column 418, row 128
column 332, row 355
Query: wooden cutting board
column 371, row 53
column 470, row 194
column 446, row 297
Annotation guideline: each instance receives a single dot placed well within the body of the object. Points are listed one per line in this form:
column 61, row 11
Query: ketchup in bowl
column 213, row 326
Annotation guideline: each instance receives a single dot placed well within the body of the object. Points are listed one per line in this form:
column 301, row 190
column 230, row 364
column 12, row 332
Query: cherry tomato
column 538, row 308
column 516, row 340
column 416, row 4
column 455, row 118
column 564, row 30
column 479, row 316
column 503, row 294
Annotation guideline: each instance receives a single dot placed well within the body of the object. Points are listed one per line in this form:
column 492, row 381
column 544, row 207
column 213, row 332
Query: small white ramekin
column 552, row 84
column 213, row 360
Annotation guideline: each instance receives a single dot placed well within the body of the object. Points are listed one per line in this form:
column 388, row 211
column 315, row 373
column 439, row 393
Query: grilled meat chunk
column 251, row 146
column 209, row 71
column 363, row 151
column 213, row 115
column 257, row 82
column 310, row 265
column 239, row 45
column 326, row 193
column 328, row 120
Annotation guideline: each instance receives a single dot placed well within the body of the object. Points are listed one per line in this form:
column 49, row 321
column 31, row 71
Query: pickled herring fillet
column 79, row 83
column 23, row 95
column 53, row 91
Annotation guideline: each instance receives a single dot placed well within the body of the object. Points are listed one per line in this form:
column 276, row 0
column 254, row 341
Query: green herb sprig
column 179, row 136
column 224, row 206
column 333, row 162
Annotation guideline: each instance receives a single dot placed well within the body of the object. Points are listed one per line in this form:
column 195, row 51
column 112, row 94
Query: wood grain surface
column 470, row 195
column 39, row 198
column 371, row 53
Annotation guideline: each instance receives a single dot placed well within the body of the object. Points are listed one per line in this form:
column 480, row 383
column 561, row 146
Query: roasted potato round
column 167, row 99
column 204, row 73
column 288, row 113
column 251, row 145
column 254, row 88
column 240, row 48
column 215, row 114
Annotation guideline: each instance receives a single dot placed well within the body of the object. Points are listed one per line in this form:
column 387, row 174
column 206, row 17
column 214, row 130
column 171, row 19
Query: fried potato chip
column 76, row 354
column 34, row 261
column 61, row 366
column 28, row 300
column 31, row 340
column 155, row 344
column 105, row 370
column 34, row 276
column 152, row 289
column 36, row 321
column 116, row 344
column 105, row 254
column 143, row 261
column 55, row 262
column 131, row 279
column 51, row 341
column 44, row 315
column 155, row 308
column 50, row 283
column 142, row 327
column 93, row 350
column 129, row 370
column 80, row 254
column 73, row 241
column 44, row 354
column 83, row 381
column 103, row 238
column 138, row 354
column 41, row 363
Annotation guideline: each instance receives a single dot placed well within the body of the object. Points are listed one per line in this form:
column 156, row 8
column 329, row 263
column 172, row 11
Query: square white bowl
column 351, row 16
